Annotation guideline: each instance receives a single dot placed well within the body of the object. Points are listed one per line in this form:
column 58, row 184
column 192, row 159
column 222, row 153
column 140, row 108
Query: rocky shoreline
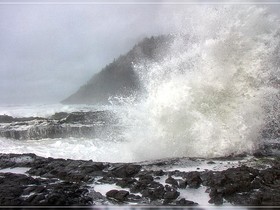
column 59, row 125
column 30, row 180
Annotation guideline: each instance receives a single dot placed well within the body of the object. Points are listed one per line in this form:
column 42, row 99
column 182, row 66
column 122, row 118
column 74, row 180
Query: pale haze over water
column 47, row 51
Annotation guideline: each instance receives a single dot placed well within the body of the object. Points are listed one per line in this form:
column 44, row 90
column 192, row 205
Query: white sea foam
column 45, row 110
column 73, row 148
column 17, row 170
column 208, row 96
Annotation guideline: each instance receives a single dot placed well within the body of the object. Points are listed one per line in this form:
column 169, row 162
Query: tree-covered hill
column 119, row 78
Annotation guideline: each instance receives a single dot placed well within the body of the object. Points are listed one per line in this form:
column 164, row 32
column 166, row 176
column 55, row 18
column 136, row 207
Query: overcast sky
column 47, row 51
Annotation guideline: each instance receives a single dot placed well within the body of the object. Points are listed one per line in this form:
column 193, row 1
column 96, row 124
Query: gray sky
column 47, row 51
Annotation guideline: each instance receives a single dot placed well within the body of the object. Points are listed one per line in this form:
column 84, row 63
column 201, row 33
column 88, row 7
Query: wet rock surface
column 60, row 182
column 59, row 125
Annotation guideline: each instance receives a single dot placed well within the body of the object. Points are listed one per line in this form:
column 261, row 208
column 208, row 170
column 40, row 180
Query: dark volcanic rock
column 18, row 189
column 137, row 187
column 12, row 187
column 159, row 192
column 125, row 182
column 17, row 160
column 9, row 119
column 171, row 195
column 244, row 186
column 45, row 129
column 145, row 179
column 134, row 198
column 71, row 182
column 171, row 181
column 182, row 183
column 184, row 202
column 154, row 193
column 126, row 170
column 67, row 193
column 68, row 170
column 193, row 179
column 59, row 115
column 159, row 173
column 6, row 119
column 119, row 195
column 217, row 199
column 111, row 193
column 59, row 125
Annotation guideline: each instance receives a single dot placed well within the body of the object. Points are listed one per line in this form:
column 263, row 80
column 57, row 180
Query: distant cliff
column 118, row 78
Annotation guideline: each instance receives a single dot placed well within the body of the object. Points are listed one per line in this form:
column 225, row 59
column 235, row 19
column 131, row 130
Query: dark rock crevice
column 52, row 181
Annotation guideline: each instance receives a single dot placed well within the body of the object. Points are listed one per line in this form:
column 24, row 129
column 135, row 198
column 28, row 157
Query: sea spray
column 210, row 94
column 215, row 92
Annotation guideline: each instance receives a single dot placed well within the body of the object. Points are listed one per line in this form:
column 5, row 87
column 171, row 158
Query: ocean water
column 211, row 95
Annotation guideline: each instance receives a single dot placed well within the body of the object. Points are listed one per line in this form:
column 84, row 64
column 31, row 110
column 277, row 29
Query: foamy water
column 45, row 110
column 209, row 96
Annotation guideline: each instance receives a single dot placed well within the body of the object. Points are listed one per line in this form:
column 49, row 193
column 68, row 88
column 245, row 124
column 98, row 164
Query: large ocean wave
column 213, row 92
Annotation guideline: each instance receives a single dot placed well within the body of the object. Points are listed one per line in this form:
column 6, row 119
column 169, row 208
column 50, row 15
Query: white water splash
column 210, row 96
column 207, row 96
